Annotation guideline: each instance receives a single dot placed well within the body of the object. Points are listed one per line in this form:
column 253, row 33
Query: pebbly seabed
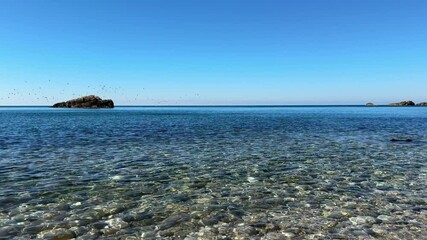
column 213, row 173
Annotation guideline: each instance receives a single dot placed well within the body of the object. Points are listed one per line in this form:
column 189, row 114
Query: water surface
column 213, row 172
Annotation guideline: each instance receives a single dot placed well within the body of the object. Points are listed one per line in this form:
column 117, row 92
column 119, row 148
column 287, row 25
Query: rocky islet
column 399, row 104
column 90, row 101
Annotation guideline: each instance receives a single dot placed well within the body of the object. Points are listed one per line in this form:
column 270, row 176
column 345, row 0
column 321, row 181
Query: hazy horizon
column 213, row 52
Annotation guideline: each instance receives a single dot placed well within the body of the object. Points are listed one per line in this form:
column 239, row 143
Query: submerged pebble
column 362, row 220
column 116, row 223
column 57, row 234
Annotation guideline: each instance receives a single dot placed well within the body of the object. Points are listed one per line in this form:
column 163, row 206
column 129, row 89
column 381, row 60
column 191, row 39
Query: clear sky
column 180, row 52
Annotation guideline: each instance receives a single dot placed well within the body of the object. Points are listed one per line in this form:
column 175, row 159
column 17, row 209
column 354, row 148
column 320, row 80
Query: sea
column 235, row 172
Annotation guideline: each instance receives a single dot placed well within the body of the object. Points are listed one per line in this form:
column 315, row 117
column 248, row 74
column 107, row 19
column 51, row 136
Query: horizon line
column 226, row 105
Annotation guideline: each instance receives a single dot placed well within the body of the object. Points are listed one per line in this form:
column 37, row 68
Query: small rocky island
column 90, row 101
column 399, row 104
column 403, row 103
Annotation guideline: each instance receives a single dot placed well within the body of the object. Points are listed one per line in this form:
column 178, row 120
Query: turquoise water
column 213, row 173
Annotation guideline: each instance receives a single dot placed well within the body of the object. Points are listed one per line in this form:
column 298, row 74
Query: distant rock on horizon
column 369, row 104
column 422, row 104
column 403, row 103
column 90, row 101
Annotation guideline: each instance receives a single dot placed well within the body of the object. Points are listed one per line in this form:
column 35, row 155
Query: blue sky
column 213, row 52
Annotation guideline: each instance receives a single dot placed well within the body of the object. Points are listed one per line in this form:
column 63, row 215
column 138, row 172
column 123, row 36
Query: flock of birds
column 38, row 95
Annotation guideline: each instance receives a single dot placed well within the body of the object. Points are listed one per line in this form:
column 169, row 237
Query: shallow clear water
column 213, row 173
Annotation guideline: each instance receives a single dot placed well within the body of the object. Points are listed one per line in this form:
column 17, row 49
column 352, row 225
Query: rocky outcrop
column 422, row 104
column 369, row 104
column 86, row 102
column 404, row 103
column 400, row 140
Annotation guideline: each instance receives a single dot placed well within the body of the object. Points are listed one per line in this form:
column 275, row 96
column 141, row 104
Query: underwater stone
column 57, row 234
column 137, row 216
column 288, row 234
column 335, row 214
column 109, row 231
column 181, row 197
column 362, row 220
column 116, row 223
column 272, row 227
column 9, row 230
column 361, row 234
column 274, row 236
column 34, row 229
column 92, row 234
column 245, row 231
column 62, row 207
column 148, row 235
column 18, row 218
column 174, row 220
column 385, row 218
column 214, row 219
column 100, row 225
column 79, row 230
